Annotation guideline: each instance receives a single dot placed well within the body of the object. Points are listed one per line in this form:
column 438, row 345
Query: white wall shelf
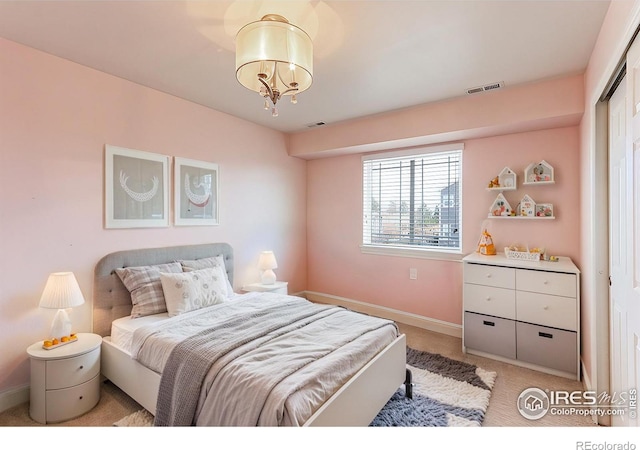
column 490, row 216
column 500, row 189
column 531, row 183
column 538, row 173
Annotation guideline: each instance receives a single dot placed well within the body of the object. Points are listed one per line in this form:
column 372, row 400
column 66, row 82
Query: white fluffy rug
column 142, row 418
column 446, row 393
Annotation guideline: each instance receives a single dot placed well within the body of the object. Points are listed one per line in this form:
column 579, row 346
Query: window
column 412, row 200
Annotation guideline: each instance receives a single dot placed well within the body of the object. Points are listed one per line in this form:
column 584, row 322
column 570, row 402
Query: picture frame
column 196, row 192
column 136, row 188
column 544, row 210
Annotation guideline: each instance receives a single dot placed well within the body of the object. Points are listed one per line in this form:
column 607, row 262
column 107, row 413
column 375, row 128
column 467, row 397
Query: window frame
column 414, row 251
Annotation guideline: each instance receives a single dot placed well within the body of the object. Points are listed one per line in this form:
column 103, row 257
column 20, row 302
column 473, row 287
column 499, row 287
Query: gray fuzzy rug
column 446, row 393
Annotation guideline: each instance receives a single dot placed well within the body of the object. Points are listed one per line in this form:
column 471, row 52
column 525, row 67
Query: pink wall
column 336, row 266
column 55, row 119
column 535, row 106
column 484, row 157
column 334, row 231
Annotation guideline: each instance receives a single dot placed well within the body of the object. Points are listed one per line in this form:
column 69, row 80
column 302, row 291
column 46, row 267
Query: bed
column 376, row 368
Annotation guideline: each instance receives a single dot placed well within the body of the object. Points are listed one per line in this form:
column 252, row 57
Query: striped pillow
column 143, row 282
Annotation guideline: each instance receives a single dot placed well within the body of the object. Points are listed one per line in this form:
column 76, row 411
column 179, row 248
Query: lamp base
column 268, row 277
column 61, row 325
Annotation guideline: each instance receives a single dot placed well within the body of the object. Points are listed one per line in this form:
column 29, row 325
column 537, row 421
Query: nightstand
column 65, row 381
column 279, row 287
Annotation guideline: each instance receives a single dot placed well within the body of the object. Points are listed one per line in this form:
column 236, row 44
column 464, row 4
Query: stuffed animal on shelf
column 494, row 183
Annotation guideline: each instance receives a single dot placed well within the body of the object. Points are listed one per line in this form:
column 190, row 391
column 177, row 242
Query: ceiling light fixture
column 274, row 58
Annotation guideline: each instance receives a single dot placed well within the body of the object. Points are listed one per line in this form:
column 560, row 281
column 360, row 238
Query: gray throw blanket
column 243, row 336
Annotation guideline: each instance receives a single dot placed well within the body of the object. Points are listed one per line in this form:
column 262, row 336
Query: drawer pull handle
column 545, row 307
column 491, row 324
column 488, row 299
column 545, row 335
column 545, row 282
column 488, row 275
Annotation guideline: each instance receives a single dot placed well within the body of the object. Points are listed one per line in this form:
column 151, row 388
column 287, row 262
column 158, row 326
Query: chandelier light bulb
column 294, row 99
column 274, row 111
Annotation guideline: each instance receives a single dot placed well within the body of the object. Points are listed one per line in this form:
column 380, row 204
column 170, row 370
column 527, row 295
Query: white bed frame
column 356, row 403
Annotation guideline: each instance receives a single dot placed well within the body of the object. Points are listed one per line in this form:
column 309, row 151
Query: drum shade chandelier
column 274, row 58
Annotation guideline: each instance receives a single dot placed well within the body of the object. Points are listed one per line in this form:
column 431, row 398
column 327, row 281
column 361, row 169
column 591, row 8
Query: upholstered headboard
column 111, row 299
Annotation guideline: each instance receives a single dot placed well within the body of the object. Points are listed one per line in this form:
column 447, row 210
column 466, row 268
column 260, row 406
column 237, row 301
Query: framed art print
column 136, row 188
column 196, row 193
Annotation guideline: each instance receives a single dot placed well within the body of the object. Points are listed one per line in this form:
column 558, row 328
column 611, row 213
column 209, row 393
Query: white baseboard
column 13, row 397
column 438, row 326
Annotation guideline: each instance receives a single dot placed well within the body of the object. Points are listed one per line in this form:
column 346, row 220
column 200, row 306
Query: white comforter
column 238, row 389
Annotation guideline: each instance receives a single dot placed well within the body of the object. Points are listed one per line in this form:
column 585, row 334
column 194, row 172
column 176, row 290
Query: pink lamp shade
column 61, row 291
column 267, row 262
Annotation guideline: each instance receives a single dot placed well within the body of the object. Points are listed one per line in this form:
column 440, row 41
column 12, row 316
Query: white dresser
column 523, row 312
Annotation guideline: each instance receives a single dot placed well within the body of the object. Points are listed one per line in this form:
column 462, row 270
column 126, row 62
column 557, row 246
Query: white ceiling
column 369, row 56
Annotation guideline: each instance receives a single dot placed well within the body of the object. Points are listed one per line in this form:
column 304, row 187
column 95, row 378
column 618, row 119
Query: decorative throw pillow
column 196, row 289
column 204, row 263
column 143, row 282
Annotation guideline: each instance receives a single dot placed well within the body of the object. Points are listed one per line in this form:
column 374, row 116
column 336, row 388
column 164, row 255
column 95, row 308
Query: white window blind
column 413, row 199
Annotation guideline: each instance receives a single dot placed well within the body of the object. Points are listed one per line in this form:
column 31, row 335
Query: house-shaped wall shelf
column 500, row 207
column 527, row 207
column 539, row 173
column 506, row 181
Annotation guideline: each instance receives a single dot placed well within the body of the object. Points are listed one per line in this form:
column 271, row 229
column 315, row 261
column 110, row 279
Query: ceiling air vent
column 316, row 124
column 488, row 87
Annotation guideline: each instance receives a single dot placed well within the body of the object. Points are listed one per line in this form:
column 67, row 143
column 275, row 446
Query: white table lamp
column 61, row 292
column 267, row 263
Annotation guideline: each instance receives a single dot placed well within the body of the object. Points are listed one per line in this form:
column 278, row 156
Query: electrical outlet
column 413, row 274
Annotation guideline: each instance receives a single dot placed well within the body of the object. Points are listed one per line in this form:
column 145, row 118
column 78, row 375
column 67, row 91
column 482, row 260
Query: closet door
column 633, row 317
column 624, row 229
column 618, row 238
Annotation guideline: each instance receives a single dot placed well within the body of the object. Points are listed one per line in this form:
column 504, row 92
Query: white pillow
column 203, row 263
column 197, row 289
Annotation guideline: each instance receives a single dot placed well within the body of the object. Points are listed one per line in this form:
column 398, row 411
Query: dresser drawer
column 563, row 284
column 503, row 277
column 547, row 310
column 65, row 404
column 547, row 347
column 62, row 373
column 490, row 300
column 490, row 334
